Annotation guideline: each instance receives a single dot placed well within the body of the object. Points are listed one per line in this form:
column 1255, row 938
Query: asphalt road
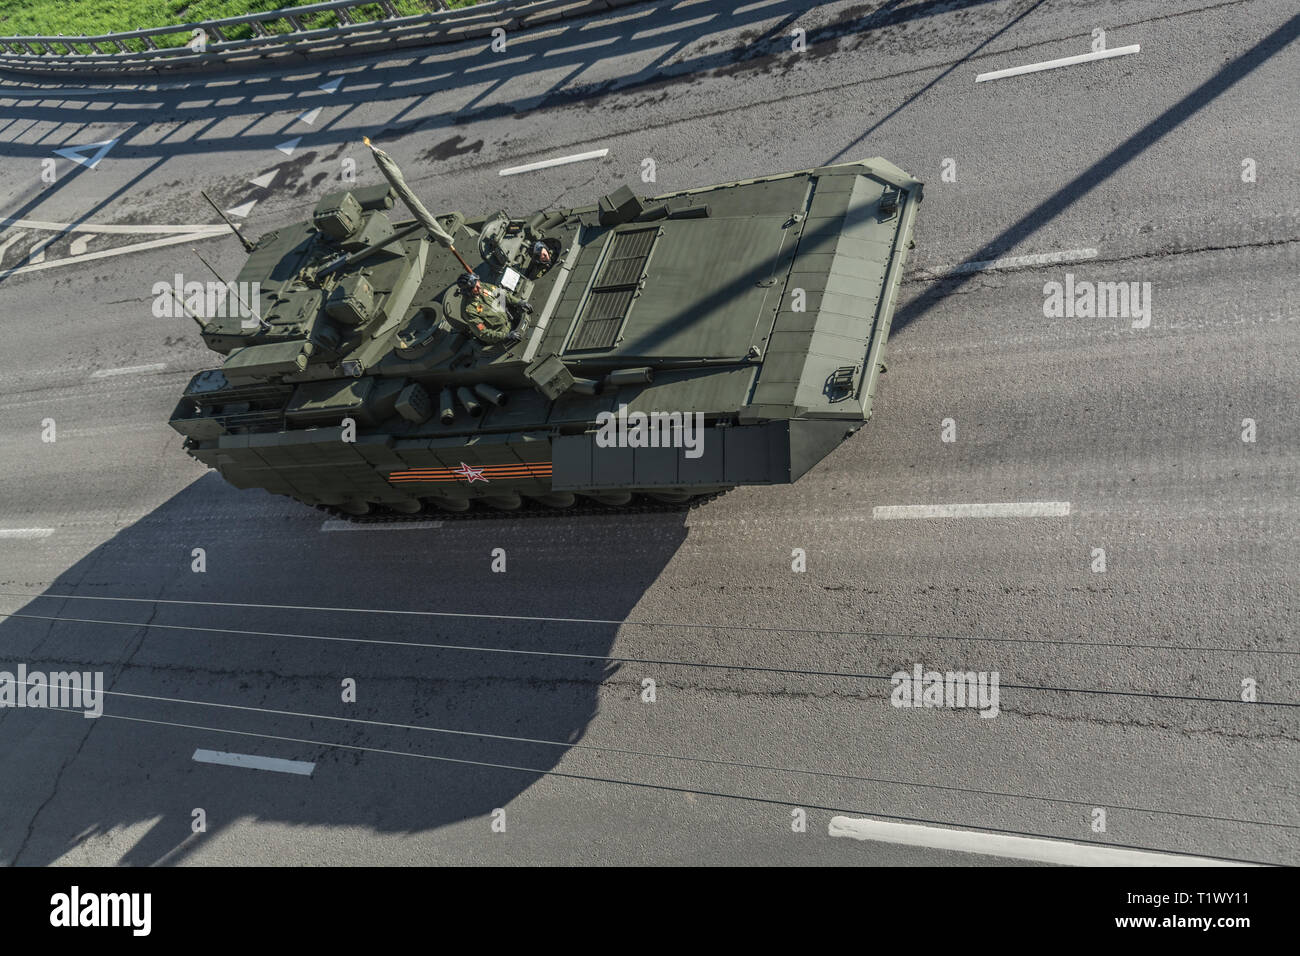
column 1121, row 689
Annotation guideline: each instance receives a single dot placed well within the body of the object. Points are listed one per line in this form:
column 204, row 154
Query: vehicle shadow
column 254, row 654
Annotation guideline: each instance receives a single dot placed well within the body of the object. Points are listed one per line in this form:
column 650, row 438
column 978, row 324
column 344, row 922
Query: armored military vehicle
column 677, row 346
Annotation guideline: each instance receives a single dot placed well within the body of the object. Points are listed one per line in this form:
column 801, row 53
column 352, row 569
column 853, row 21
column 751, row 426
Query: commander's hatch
column 689, row 288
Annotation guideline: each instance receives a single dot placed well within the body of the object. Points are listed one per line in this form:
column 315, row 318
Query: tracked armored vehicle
column 678, row 345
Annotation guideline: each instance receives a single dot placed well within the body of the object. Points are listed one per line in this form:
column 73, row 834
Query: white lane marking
column 753, row 6
column 1008, row 509
column 109, row 228
column 337, row 525
column 26, row 533
column 10, row 240
column 332, row 86
column 254, row 762
column 1063, row 61
column 558, row 161
column 129, row 370
column 310, row 116
column 79, row 244
column 289, row 145
column 265, row 179
column 75, row 154
column 120, row 250
column 36, row 253
column 669, row 28
column 1023, row 262
column 591, row 45
column 242, row 210
column 1014, row 847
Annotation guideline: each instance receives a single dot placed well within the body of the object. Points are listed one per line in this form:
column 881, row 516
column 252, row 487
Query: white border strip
column 1063, row 61
column 1013, row 847
column 1023, row 262
column 1006, row 509
column 558, row 161
column 254, row 762
column 334, row 524
column 27, row 534
column 129, row 370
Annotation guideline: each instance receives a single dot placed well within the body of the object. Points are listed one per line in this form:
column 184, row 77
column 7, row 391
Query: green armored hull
column 678, row 345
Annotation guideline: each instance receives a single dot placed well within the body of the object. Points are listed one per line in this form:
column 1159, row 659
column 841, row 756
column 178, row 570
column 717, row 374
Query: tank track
column 640, row 504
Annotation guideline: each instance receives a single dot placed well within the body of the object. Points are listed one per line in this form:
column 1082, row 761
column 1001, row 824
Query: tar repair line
column 254, row 762
column 1063, row 61
column 558, row 161
column 1009, row 509
column 1014, row 847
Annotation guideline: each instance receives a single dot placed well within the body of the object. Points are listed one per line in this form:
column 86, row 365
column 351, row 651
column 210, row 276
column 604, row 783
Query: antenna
column 181, row 302
column 264, row 325
column 248, row 246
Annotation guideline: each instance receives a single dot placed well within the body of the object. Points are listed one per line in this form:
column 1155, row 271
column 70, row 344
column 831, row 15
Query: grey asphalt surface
column 1128, row 682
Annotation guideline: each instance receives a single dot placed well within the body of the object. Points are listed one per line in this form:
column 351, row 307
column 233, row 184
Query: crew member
column 485, row 311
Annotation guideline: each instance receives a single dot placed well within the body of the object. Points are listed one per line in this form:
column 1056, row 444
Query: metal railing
column 335, row 28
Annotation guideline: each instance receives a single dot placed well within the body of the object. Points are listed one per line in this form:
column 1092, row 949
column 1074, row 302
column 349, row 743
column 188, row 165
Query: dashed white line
column 1007, row 509
column 337, row 525
column 1013, row 847
column 79, row 244
column 558, row 161
column 672, row 27
column 129, row 370
column 1063, row 61
column 254, row 762
column 26, row 534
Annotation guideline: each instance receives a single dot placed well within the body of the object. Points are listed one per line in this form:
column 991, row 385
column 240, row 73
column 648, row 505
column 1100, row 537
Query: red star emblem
column 471, row 475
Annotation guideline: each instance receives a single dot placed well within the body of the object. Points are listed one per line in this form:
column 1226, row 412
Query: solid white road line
column 558, row 161
column 254, row 762
column 1063, row 61
column 1014, row 847
column 119, row 251
column 9, row 240
column 26, row 533
column 1007, row 509
column 337, row 525
column 129, row 370
column 126, row 229
column 1022, row 262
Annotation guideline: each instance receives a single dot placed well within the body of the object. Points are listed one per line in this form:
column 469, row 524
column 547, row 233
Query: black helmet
column 467, row 281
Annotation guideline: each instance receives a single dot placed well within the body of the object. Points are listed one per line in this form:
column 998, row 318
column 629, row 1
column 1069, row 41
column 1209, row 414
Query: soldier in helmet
column 484, row 311
column 541, row 258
